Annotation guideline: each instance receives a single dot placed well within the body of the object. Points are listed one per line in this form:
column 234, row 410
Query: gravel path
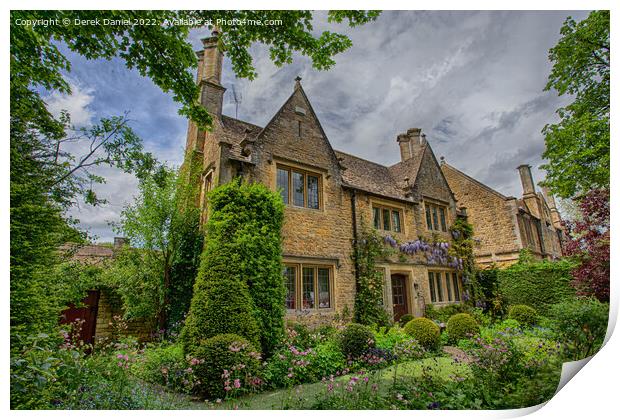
column 457, row 354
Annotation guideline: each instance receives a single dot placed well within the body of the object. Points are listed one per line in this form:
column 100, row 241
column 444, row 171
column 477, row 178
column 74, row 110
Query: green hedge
column 536, row 284
column 240, row 288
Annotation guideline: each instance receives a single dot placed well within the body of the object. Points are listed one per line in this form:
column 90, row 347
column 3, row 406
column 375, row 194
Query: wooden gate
column 86, row 314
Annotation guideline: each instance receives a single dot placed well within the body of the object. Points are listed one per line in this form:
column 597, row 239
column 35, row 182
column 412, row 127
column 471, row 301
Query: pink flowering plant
column 229, row 366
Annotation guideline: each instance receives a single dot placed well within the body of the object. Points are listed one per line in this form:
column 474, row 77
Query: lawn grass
column 303, row 396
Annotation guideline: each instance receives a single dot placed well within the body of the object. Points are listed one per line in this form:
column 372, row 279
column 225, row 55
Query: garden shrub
column 537, row 284
column 444, row 313
column 581, row 325
column 461, row 326
column 166, row 365
column 45, row 375
column 355, row 340
column 404, row 319
column 326, row 359
column 425, row 331
column 387, row 338
column 292, row 365
column 239, row 288
column 218, row 306
column 299, row 335
column 228, row 365
column 525, row 315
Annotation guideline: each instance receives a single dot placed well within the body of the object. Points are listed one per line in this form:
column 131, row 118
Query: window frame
column 305, row 173
column 444, row 281
column 391, row 210
column 436, row 216
column 299, row 291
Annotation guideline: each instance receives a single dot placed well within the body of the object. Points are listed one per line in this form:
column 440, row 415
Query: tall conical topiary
column 241, row 268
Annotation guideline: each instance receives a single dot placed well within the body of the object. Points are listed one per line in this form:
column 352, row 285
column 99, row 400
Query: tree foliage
column 589, row 241
column 159, row 51
column 165, row 234
column 577, row 147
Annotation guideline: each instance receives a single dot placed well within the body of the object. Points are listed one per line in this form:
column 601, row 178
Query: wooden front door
column 87, row 315
column 399, row 295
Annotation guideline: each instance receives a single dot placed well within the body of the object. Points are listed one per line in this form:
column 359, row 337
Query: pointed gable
column 429, row 179
column 295, row 133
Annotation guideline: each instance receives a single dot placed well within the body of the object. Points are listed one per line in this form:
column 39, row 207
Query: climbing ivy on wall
column 369, row 307
column 189, row 239
column 462, row 248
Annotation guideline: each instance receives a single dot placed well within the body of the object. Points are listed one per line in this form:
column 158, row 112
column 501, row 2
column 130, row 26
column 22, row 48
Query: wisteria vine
column 437, row 253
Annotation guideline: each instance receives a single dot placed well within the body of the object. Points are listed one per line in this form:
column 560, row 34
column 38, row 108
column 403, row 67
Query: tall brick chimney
column 409, row 142
column 525, row 171
column 210, row 75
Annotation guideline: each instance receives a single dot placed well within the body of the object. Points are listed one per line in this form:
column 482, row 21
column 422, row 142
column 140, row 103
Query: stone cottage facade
column 503, row 226
column 331, row 198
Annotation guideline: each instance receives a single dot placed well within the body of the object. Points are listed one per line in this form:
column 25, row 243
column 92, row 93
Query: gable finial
column 297, row 82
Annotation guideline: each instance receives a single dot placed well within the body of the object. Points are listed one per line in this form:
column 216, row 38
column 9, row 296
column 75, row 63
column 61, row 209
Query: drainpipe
column 355, row 237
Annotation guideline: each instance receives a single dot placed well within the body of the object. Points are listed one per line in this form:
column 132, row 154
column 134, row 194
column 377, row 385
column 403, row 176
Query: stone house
column 330, row 198
column 503, row 226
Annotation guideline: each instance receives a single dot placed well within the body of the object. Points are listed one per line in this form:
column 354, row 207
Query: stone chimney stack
column 210, row 75
column 525, row 171
column 409, row 142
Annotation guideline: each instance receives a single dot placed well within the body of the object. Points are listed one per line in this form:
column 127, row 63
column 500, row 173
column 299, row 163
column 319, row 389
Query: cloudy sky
column 473, row 81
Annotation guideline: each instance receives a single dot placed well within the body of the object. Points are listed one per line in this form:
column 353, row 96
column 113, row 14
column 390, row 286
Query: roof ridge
column 241, row 121
column 360, row 158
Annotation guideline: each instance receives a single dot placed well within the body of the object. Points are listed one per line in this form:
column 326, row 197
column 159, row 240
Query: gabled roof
column 408, row 168
column 444, row 165
column 370, row 177
column 87, row 254
column 361, row 174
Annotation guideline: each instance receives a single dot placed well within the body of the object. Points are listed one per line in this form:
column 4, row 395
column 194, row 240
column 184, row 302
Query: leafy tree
column 588, row 241
column 578, row 146
column 160, row 52
column 164, row 234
